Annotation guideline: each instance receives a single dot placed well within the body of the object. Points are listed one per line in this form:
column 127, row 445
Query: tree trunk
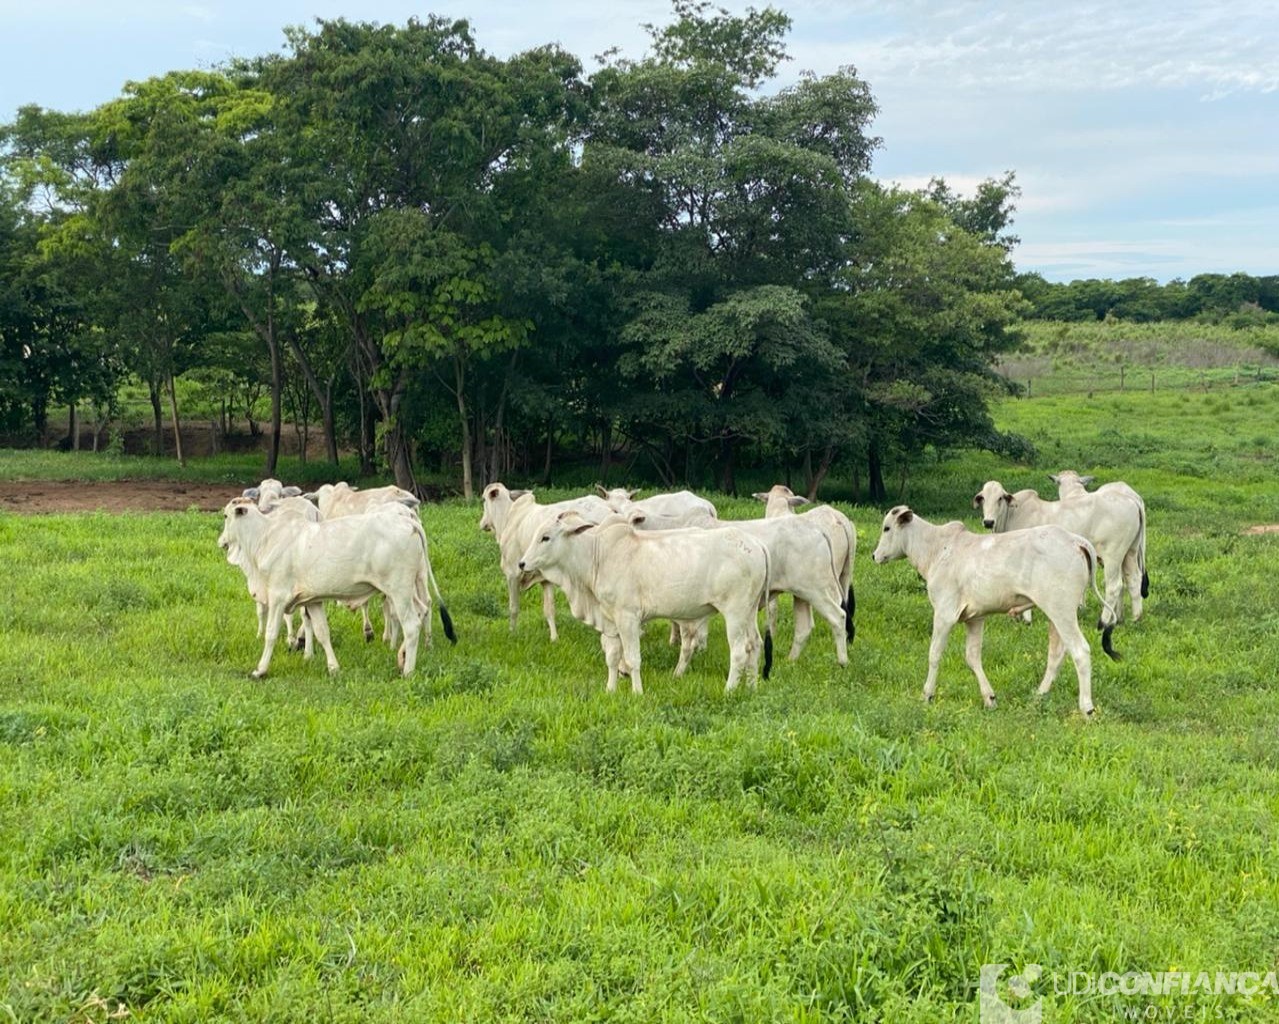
column 875, row 474
column 606, row 451
column 459, row 384
column 73, row 427
column 330, row 431
column 153, row 392
column 550, row 451
column 177, row 423
column 815, row 481
column 277, row 389
column 727, row 480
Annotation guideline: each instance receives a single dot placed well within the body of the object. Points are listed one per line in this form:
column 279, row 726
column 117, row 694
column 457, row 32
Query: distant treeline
column 1238, row 300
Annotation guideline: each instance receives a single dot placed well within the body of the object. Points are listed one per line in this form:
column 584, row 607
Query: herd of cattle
column 623, row 562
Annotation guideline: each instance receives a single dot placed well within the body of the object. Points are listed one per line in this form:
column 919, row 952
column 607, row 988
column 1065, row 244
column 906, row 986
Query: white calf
column 303, row 564
column 779, row 501
column 514, row 518
column 618, row 578
column 1070, row 485
column 1112, row 523
column 970, row 576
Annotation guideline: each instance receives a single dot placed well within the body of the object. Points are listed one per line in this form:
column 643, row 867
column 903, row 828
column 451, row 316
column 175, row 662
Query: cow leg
column 548, row 608
column 319, row 625
column 1080, row 653
column 1114, row 594
column 1132, row 581
column 804, row 626
column 274, row 617
column 1056, row 652
column 367, row 621
column 744, row 644
column 411, row 623
column 972, row 654
column 942, row 625
column 676, row 637
column 833, row 613
column 629, row 633
column 261, row 619
column 687, row 641
column 612, row 658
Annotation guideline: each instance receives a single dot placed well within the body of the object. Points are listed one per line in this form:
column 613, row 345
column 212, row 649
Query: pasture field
column 497, row 838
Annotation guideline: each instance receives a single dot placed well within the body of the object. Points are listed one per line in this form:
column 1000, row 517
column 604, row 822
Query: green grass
column 496, row 838
column 230, row 469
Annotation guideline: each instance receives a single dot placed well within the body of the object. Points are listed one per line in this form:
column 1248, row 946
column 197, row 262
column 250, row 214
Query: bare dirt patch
column 50, row 496
column 1264, row 528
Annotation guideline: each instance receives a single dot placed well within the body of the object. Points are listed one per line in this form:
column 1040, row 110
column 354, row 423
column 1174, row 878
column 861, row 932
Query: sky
column 1144, row 135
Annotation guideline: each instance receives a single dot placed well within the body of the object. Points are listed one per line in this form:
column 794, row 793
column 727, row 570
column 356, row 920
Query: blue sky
column 1144, row 135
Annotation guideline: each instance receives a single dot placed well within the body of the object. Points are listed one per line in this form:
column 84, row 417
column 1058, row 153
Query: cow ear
column 630, row 495
column 905, row 516
column 241, row 510
column 312, row 497
column 795, row 500
column 291, row 492
column 492, row 493
column 1054, row 478
column 760, row 496
column 1007, row 498
column 580, row 529
column 978, row 498
column 636, row 518
column 251, row 492
column 1086, row 480
column 599, row 489
column 519, row 494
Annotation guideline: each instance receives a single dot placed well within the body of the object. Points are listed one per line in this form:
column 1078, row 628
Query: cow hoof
column 1089, row 713
column 255, row 674
column 928, row 698
column 990, row 704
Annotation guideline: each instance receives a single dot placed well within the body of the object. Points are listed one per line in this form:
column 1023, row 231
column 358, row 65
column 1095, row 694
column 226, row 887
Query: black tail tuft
column 1106, row 645
column 1145, row 585
column 850, row 606
column 768, row 652
column 446, row 620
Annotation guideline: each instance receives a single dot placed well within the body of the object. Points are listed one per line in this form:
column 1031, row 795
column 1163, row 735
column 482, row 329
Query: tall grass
column 496, row 838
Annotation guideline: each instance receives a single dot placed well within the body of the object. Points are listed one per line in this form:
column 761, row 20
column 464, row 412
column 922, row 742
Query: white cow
column 779, row 501
column 1070, row 484
column 681, row 508
column 970, row 576
column 514, row 518
column 284, row 508
column 341, row 499
column 1113, row 524
column 617, row 578
column 302, row 564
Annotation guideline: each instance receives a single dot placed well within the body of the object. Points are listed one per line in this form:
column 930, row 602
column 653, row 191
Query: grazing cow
column 970, row 576
column 1112, row 523
column 514, row 518
column 1070, row 485
column 617, row 578
column 303, row 564
column 779, row 501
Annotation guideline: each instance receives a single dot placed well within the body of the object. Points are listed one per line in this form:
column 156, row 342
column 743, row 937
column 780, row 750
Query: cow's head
column 892, row 543
column 1070, row 483
column 550, row 546
column 779, row 499
column 235, row 511
column 993, row 502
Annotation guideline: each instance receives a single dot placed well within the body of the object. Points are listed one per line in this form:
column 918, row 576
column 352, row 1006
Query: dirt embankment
column 47, row 496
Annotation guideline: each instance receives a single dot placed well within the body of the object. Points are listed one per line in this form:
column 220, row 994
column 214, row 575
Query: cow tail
column 1141, row 552
column 446, row 620
column 1106, row 628
column 850, row 606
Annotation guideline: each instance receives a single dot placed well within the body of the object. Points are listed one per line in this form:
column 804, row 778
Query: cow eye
column 885, row 529
column 546, row 538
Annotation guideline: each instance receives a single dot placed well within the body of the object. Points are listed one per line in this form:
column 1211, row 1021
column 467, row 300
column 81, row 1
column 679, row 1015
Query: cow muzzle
column 988, row 523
